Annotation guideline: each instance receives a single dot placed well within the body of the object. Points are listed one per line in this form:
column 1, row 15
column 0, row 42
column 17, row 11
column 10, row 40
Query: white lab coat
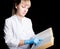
column 16, row 30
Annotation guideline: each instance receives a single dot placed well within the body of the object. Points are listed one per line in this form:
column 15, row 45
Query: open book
column 47, row 39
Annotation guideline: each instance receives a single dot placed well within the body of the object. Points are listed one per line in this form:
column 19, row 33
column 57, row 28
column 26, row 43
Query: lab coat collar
column 19, row 18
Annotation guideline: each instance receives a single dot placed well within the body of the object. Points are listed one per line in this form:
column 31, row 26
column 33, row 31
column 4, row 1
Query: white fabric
column 15, row 30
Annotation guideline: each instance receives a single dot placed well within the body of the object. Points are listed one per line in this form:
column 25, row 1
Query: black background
column 44, row 14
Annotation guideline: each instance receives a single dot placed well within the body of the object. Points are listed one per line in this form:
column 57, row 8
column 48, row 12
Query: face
column 23, row 8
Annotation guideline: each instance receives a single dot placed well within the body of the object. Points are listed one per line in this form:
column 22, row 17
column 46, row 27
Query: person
column 18, row 28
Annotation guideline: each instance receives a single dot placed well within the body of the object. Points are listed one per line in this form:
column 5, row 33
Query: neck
column 19, row 16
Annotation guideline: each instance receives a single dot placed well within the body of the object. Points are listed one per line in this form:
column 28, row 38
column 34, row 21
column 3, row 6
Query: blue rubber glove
column 35, row 41
column 30, row 41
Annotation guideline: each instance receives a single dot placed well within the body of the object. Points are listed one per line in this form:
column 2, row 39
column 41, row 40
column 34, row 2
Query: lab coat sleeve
column 9, row 39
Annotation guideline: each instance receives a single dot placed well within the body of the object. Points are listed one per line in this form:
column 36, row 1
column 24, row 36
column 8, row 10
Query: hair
column 16, row 2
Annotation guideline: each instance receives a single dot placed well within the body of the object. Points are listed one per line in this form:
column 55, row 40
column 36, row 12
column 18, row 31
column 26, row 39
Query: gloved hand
column 35, row 41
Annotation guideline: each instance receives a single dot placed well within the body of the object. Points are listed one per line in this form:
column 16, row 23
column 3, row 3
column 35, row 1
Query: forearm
column 24, row 42
column 21, row 43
